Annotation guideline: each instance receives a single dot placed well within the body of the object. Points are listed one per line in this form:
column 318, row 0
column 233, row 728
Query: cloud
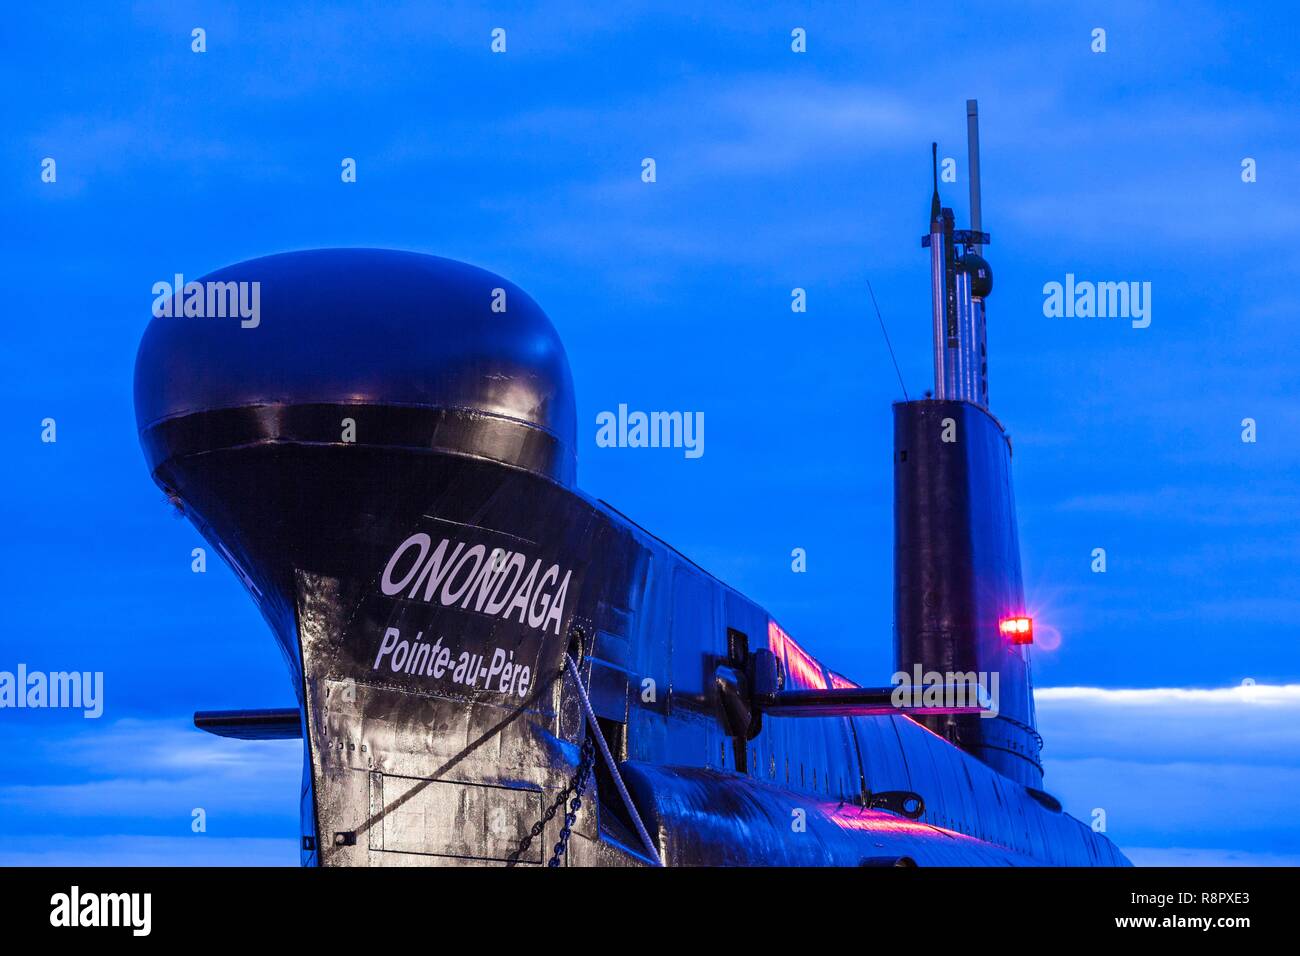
column 1210, row 773
column 1262, row 695
column 134, row 850
column 1164, row 724
column 1195, row 856
column 777, row 125
column 150, row 774
column 1171, row 502
column 173, row 746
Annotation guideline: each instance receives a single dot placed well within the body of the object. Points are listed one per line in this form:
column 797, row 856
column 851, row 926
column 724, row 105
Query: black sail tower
column 957, row 579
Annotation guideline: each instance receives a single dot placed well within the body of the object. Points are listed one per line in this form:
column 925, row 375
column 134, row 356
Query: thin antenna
column 888, row 344
column 973, row 162
column 935, row 206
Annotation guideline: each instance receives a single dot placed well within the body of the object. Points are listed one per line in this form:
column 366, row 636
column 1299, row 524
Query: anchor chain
column 577, row 783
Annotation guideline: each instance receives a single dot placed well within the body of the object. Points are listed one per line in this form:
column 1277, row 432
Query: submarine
column 493, row 668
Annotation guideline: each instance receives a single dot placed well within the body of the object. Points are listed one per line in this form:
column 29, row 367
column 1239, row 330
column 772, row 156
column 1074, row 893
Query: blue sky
column 775, row 170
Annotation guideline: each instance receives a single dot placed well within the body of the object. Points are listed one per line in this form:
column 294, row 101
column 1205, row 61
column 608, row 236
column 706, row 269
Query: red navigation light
column 1019, row 629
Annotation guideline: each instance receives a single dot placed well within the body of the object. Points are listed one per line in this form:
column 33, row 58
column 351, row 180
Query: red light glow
column 1046, row 637
column 803, row 670
column 1019, row 629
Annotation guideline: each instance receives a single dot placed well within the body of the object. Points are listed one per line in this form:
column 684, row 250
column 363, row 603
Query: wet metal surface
column 425, row 579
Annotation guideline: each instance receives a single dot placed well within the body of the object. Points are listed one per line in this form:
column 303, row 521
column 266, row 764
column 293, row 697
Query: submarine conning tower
column 294, row 406
column 957, row 577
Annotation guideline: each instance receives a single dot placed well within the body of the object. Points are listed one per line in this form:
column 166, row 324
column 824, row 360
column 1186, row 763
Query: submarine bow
column 366, row 443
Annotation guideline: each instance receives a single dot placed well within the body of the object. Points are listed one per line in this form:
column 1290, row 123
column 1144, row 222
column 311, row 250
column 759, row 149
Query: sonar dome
column 441, row 355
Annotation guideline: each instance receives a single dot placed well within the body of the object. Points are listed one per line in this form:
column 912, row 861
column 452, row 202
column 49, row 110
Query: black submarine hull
column 413, row 538
column 414, row 766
